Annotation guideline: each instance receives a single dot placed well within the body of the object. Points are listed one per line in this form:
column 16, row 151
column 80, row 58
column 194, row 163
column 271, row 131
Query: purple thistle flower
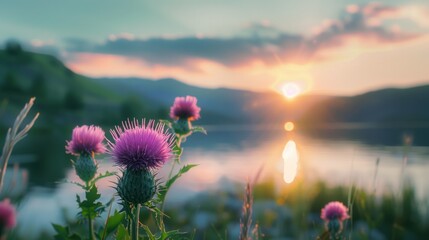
column 334, row 211
column 139, row 147
column 7, row 215
column 185, row 108
column 86, row 140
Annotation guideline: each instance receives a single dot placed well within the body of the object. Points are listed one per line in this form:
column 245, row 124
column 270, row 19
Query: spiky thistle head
column 86, row 140
column 142, row 146
column 185, row 108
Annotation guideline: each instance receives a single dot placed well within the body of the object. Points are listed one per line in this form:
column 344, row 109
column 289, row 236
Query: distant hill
column 62, row 96
column 219, row 105
column 385, row 106
column 66, row 97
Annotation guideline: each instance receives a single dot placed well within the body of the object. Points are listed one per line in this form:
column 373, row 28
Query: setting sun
column 290, row 90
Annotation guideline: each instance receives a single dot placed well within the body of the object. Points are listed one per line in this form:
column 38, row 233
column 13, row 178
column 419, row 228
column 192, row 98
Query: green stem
column 172, row 168
column 90, row 222
column 91, row 229
column 135, row 226
column 178, row 142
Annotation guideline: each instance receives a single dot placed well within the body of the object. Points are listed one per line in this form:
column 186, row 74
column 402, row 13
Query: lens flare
column 290, row 159
column 291, row 90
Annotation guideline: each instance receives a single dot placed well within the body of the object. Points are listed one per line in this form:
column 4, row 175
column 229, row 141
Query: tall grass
column 13, row 136
column 246, row 214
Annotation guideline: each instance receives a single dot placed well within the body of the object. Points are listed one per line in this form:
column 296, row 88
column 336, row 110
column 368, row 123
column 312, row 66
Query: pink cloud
column 97, row 65
column 353, row 8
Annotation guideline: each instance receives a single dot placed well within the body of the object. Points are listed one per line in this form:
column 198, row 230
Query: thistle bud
column 136, row 186
column 334, row 227
column 85, row 167
column 182, row 127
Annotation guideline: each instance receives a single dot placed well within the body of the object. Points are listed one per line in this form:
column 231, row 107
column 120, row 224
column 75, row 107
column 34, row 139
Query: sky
column 323, row 46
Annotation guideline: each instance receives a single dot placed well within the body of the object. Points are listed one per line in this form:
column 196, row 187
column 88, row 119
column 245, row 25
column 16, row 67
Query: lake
column 341, row 155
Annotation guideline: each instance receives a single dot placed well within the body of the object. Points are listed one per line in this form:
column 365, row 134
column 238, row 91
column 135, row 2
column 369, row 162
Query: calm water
column 227, row 155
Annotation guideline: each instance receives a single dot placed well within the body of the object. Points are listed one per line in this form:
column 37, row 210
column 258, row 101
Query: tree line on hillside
column 17, row 84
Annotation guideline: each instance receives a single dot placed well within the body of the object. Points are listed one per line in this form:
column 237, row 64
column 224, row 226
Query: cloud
column 363, row 24
column 232, row 51
column 263, row 43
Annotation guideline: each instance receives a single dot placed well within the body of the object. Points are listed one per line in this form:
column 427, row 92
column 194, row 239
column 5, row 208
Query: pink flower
column 334, row 211
column 86, row 140
column 141, row 147
column 7, row 215
column 185, row 108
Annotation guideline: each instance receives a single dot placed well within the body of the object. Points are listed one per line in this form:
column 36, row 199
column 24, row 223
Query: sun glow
column 290, row 90
column 289, row 126
column 290, row 159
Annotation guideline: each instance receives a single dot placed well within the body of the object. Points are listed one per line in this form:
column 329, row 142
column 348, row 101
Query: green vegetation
column 60, row 92
column 293, row 212
column 64, row 99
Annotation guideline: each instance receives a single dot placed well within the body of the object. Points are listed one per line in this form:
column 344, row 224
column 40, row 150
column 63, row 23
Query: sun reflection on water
column 290, row 159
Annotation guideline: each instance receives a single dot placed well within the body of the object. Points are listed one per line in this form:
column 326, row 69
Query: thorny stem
column 178, row 142
column 90, row 222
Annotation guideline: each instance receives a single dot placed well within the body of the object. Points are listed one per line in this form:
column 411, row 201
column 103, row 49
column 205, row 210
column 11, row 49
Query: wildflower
column 334, row 213
column 334, row 210
column 86, row 140
column 139, row 149
column 7, row 216
column 185, row 108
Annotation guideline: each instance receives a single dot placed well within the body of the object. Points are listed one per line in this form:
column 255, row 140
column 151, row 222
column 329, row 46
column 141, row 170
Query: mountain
column 67, row 97
column 386, row 106
column 219, row 106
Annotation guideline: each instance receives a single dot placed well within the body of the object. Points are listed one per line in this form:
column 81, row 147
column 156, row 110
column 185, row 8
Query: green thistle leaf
column 164, row 189
column 148, row 232
column 101, row 176
column 114, row 221
column 165, row 122
column 122, row 233
column 91, row 208
column 173, row 234
column 63, row 233
column 177, row 150
column 199, row 129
